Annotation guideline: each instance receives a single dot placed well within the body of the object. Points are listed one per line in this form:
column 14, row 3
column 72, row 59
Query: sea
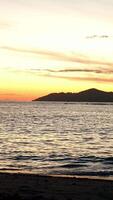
column 57, row 138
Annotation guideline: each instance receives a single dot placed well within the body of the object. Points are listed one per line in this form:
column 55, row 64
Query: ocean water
column 57, row 138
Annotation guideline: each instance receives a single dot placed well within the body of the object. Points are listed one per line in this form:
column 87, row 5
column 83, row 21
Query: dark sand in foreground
column 16, row 186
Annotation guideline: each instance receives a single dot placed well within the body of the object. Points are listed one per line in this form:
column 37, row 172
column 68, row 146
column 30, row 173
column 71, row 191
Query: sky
column 55, row 46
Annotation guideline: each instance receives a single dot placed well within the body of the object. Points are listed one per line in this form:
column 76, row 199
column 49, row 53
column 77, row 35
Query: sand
column 16, row 186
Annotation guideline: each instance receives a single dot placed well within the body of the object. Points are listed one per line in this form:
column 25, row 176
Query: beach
column 23, row 186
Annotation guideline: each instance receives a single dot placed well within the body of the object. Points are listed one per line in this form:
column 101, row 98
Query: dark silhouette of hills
column 90, row 95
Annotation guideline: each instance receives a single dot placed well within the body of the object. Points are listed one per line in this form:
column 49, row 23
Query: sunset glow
column 55, row 46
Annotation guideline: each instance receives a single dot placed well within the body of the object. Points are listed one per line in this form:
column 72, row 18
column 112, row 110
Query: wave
column 62, row 159
column 93, row 173
column 73, row 165
column 21, row 157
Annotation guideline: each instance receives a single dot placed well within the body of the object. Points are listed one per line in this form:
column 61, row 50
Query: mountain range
column 90, row 95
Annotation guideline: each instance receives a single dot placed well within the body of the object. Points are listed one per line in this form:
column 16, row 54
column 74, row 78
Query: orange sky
column 55, row 46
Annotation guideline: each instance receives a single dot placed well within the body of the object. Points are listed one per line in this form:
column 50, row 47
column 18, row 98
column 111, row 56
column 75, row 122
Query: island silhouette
column 90, row 95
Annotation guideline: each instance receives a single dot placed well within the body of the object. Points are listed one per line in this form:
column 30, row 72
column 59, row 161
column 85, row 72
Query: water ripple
column 62, row 138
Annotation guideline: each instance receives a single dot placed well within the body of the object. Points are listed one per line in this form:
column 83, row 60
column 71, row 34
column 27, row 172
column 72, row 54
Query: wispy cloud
column 95, row 75
column 59, row 56
column 74, row 70
column 88, row 70
column 60, row 72
column 87, row 78
column 91, row 75
column 98, row 37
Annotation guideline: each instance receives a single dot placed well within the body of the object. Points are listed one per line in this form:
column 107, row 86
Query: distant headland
column 90, row 95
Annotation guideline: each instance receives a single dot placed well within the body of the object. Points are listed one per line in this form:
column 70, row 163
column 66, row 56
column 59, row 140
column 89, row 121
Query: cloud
column 74, row 78
column 41, row 52
column 90, row 70
column 74, row 70
column 59, row 56
column 92, row 75
column 97, row 75
column 64, row 72
column 98, row 37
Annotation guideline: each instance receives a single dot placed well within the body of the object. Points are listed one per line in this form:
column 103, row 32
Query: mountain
column 90, row 95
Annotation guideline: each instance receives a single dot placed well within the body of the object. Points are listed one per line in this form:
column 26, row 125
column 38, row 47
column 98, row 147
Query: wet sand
column 16, row 186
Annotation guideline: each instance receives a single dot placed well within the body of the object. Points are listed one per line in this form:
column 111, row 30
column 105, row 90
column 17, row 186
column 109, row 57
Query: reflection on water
column 57, row 138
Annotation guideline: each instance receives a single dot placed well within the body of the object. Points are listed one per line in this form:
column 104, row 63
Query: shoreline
column 92, row 177
column 28, row 186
